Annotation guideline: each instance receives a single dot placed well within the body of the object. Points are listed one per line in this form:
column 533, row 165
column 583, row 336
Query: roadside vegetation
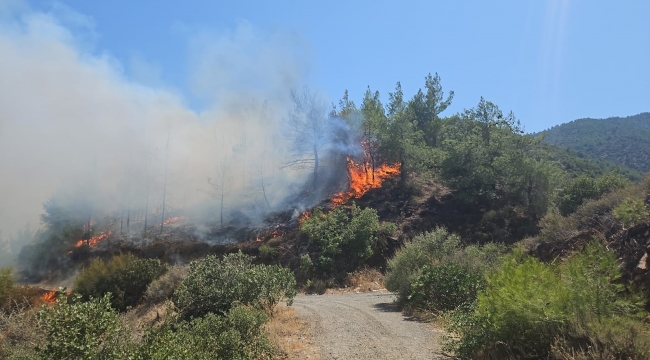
column 521, row 249
column 574, row 291
column 215, row 309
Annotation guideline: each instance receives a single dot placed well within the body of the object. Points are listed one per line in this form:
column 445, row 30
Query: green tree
column 583, row 188
column 374, row 125
column 490, row 163
column 402, row 140
column 427, row 108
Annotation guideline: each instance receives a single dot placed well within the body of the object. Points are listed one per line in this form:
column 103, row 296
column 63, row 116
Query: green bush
column 6, row 285
column 125, row 277
column 267, row 253
column 306, row 266
column 81, row 330
column 352, row 237
column 214, row 285
column 237, row 335
column 529, row 306
column 163, row 287
column 631, row 212
column 426, row 249
column 584, row 188
column 434, row 272
column 445, row 287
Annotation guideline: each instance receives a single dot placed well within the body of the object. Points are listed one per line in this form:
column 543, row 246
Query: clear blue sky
column 548, row 61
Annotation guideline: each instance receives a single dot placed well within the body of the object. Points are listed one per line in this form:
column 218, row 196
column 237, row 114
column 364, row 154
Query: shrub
column 317, row 286
column 124, row 276
column 529, row 306
column 214, row 285
column 6, row 285
column 614, row 338
column 584, row 188
column 338, row 234
column 237, row 335
column 163, row 287
column 445, row 287
column 81, row 330
column 631, row 212
column 20, row 334
column 16, row 297
column 434, row 272
column 306, row 266
column 423, row 250
column 267, row 253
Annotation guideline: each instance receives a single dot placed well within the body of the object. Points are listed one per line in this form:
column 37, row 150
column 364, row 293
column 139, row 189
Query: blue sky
column 548, row 61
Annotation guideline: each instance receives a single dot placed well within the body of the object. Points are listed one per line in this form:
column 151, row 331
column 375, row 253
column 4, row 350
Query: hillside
column 624, row 141
column 464, row 219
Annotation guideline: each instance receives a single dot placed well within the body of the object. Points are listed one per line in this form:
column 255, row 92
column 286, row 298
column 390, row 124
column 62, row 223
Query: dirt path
column 366, row 326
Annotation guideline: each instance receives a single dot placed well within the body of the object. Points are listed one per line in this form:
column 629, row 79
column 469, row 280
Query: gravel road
column 366, row 326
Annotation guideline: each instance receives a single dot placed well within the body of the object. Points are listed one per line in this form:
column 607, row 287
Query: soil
column 366, row 326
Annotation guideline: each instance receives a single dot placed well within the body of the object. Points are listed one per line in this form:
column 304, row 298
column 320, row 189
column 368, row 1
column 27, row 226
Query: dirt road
column 366, row 326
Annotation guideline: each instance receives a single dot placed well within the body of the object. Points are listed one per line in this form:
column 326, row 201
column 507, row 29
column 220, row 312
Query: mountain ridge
column 622, row 140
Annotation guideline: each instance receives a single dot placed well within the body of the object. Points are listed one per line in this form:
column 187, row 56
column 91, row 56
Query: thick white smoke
column 72, row 122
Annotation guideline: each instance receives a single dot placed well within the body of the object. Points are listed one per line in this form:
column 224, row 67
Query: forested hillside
column 624, row 141
column 522, row 249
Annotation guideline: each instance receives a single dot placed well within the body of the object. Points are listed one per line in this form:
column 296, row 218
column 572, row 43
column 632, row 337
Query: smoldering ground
column 75, row 124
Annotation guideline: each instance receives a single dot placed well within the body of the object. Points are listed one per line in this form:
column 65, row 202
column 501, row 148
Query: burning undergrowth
column 120, row 162
column 79, row 237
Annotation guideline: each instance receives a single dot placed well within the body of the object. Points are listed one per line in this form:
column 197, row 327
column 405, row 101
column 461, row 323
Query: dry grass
column 291, row 334
column 136, row 321
column 20, row 334
column 162, row 288
column 366, row 280
column 361, row 281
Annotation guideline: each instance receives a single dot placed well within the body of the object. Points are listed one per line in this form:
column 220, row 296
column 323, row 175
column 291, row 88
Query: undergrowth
column 530, row 309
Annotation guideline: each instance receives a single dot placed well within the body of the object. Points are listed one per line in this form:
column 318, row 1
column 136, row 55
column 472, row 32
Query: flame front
column 363, row 178
column 49, row 297
column 173, row 219
column 304, row 216
column 92, row 242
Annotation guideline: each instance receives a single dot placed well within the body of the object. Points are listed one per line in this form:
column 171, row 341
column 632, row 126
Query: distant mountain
column 623, row 141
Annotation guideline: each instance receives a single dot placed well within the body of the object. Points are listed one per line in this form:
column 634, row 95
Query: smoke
column 73, row 124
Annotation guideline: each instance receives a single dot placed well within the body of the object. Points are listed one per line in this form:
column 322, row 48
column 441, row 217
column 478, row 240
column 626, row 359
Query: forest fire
column 92, row 242
column 304, row 216
column 174, row 219
column 49, row 297
column 363, row 178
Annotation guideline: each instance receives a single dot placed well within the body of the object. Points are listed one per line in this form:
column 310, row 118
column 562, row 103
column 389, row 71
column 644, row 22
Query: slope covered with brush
column 622, row 140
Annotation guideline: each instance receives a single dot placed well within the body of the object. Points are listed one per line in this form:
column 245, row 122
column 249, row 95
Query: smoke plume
column 73, row 125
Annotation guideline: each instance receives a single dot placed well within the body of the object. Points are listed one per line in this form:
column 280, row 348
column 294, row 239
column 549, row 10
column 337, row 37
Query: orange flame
column 49, row 297
column 304, row 216
column 92, row 242
column 363, row 178
column 173, row 219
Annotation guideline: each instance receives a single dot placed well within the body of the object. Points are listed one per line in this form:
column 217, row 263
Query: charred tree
column 221, row 184
column 309, row 131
